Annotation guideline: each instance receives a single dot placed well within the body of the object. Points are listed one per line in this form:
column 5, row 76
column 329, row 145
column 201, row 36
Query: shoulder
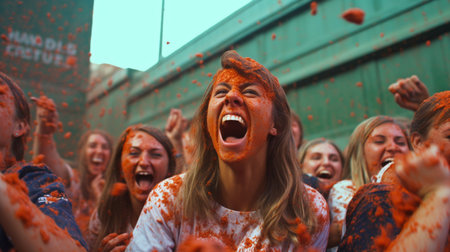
column 170, row 186
column 164, row 194
column 342, row 190
column 23, row 169
column 344, row 185
column 318, row 202
column 36, row 176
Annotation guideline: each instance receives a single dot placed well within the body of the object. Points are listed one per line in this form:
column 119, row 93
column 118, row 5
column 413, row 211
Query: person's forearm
column 45, row 145
column 29, row 228
column 428, row 227
column 335, row 234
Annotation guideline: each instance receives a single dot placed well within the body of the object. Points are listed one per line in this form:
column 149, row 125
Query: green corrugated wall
column 318, row 59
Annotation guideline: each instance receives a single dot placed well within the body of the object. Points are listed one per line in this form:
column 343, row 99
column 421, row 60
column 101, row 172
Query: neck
column 241, row 184
column 6, row 160
column 136, row 210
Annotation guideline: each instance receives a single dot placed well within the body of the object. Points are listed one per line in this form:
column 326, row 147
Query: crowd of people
column 238, row 176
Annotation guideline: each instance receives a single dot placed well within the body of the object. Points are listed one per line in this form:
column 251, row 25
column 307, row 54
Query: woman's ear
column 416, row 141
column 20, row 128
column 273, row 131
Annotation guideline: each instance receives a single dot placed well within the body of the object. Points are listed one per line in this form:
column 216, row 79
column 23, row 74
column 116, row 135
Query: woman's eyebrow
column 247, row 84
column 224, row 84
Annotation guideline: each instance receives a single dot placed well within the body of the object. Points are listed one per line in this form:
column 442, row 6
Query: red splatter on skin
column 44, row 236
column 119, row 189
column 199, row 55
column 252, row 109
column 428, row 43
column 274, row 36
column 46, row 103
column 354, row 15
column 313, row 6
column 310, row 117
column 38, row 159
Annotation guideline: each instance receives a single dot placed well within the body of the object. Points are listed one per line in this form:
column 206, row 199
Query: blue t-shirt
column 47, row 193
column 370, row 220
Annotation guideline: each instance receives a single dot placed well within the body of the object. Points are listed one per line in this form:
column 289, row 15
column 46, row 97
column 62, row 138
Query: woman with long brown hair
column 243, row 188
column 142, row 158
column 35, row 212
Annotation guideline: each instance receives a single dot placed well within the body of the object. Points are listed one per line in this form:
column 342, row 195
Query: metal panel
column 318, row 59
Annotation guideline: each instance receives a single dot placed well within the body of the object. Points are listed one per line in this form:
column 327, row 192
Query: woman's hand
column 424, row 172
column 97, row 185
column 175, row 125
column 46, row 115
column 115, row 242
column 409, row 93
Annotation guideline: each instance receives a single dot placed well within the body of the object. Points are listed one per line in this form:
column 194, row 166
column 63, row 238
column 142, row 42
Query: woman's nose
column 144, row 160
column 393, row 147
column 233, row 98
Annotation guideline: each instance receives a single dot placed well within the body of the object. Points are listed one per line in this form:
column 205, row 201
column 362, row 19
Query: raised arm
column 426, row 174
column 28, row 228
column 175, row 126
column 43, row 140
column 409, row 93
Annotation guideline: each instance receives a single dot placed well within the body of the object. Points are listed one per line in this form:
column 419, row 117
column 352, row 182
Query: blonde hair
column 356, row 161
column 285, row 199
column 305, row 147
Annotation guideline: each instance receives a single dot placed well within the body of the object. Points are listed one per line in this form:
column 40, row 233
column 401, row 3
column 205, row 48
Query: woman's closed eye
column 220, row 92
column 251, row 92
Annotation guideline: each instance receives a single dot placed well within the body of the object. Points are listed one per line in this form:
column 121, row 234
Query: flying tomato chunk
column 354, row 15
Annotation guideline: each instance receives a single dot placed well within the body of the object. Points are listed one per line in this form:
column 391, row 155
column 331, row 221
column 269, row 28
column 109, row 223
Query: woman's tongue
column 144, row 183
column 232, row 139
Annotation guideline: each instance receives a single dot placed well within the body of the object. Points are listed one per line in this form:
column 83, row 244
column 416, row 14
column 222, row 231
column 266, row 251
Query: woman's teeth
column 233, row 118
column 324, row 174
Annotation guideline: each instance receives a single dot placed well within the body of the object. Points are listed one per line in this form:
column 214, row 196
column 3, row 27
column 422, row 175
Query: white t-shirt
column 340, row 195
column 161, row 226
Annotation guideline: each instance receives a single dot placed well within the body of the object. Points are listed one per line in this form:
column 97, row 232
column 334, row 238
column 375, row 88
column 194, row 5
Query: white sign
column 36, row 48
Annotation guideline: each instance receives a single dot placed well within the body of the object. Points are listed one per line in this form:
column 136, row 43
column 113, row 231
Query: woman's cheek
column 127, row 168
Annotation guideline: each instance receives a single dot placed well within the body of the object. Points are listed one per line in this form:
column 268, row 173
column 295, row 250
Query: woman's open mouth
column 232, row 128
column 324, row 174
column 144, row 180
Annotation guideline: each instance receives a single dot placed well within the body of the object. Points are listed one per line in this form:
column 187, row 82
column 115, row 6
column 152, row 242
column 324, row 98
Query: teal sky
column 127, row 33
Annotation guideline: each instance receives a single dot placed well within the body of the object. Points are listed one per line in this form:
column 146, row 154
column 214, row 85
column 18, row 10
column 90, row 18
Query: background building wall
column 335, row 73
column 45, row 48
